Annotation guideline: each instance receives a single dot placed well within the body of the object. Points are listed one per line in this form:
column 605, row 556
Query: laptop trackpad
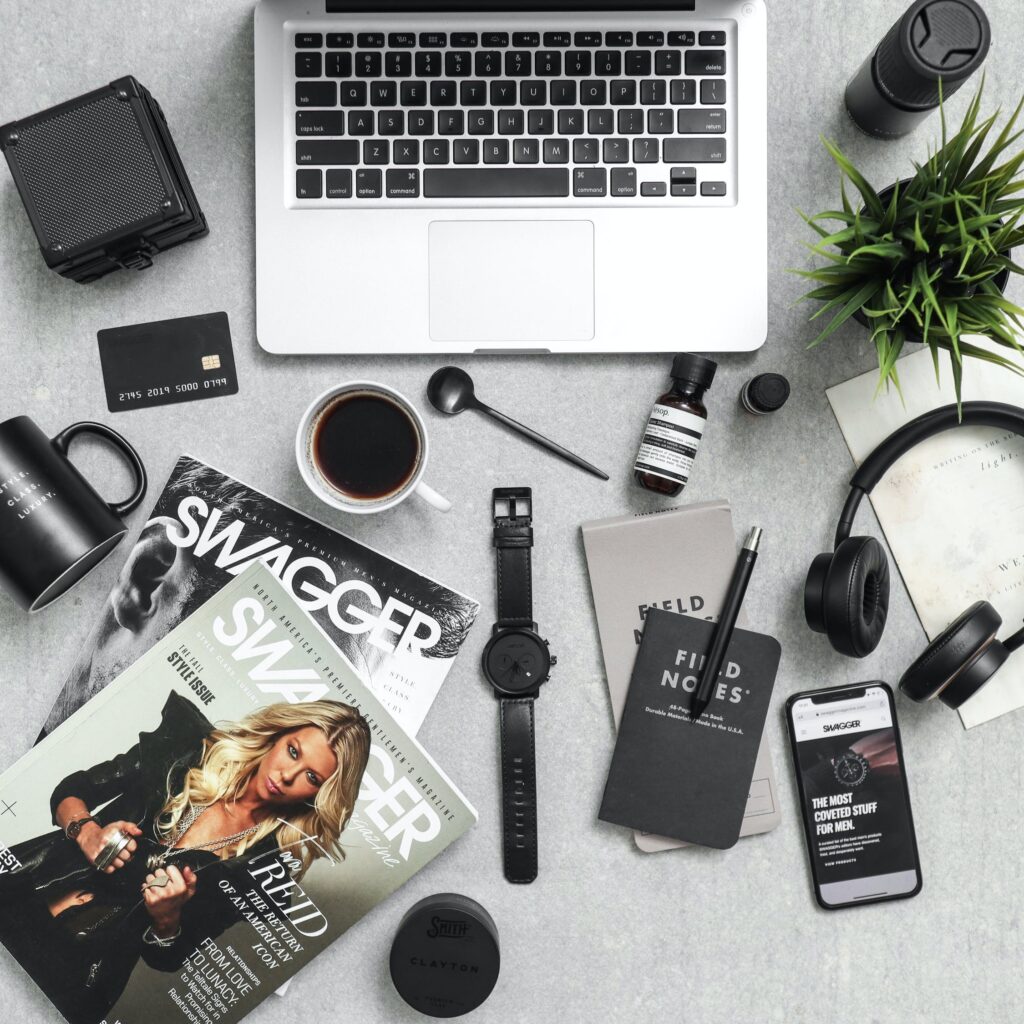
column 512, row 282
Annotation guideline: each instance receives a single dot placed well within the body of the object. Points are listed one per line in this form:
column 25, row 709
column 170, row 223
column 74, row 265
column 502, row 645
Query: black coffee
column 366, row 446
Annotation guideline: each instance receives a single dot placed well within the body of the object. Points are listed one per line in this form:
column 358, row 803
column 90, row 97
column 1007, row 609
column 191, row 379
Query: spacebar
column 495, row 183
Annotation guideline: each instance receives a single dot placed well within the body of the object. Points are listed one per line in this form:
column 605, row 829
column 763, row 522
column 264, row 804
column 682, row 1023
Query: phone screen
column 856, row 806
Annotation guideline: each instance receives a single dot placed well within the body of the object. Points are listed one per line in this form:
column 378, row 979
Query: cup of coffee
column 54, row 527
column 362, row 447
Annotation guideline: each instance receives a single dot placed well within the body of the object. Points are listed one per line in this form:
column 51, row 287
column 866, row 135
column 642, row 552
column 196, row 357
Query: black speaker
column 102, row 181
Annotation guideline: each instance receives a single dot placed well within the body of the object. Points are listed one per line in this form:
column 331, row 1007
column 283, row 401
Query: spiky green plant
column 922, row 263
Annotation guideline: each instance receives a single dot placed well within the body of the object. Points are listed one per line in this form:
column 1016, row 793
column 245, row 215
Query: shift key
column 687, row 151
column 334, row 153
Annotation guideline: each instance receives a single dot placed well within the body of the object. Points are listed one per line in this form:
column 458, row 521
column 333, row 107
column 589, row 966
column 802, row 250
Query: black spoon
column 450, row 391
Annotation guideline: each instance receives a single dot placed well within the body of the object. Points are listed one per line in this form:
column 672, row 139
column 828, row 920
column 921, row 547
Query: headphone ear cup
column 956, row 658
column 856, row 596
column 814, row 592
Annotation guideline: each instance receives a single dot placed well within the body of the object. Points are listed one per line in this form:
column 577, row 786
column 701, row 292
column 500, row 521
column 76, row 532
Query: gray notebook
column 679, row 560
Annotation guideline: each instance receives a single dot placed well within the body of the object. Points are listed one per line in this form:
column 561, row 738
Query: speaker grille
column 89, row 171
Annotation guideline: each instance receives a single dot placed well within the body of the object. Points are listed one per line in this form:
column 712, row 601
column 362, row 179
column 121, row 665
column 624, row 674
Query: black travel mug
column 936, row 41
column 54, row 527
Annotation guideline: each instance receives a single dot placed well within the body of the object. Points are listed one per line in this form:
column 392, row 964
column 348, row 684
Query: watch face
column 850, row 769
column 516, row 661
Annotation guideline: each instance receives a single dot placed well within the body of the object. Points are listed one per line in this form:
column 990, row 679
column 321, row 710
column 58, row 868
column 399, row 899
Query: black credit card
column 167, row 361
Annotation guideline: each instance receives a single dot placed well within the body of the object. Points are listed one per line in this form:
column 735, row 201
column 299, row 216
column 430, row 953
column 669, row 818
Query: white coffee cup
column 325, row 489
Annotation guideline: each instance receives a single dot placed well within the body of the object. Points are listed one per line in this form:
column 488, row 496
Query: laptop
column 501, row 176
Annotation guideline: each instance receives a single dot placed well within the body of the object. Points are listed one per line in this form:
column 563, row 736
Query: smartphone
column 853, row 795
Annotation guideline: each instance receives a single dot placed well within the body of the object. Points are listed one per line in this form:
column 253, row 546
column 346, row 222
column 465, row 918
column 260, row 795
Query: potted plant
column 926, row 260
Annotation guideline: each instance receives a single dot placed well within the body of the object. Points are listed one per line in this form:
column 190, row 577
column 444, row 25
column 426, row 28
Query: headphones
column 846, row 595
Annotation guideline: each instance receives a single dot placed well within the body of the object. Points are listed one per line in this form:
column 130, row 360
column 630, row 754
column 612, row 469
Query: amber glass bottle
column 675, row 427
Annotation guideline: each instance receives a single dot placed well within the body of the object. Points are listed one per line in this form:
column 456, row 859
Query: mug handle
column 63, row 441
column 431, row 497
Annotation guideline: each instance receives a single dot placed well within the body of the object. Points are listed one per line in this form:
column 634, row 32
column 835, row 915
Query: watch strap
column 518, row 789
column 513, row 539
column 74, row 828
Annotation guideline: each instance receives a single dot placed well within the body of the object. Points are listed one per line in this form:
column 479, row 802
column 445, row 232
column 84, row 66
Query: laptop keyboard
column 439, row 117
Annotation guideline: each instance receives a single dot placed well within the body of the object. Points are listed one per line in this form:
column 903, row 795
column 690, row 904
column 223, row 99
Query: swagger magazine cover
column 235, row 801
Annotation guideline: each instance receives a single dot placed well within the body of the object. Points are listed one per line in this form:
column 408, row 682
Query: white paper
column 951, row 508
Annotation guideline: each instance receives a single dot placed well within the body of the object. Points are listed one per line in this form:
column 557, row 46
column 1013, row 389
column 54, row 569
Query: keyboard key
column 556, row 151
column 650, row 39
column 368, row 184
column 338, row 65
column 526, row 151
column 481, row 122
column 608, row 63
column 712, row 92
column 368, row 65
column 694, row 151
column 712, row 39
column 653, row 188
column 683, row 174
column 589, row 181
column 631, row 122
column 680, row 39
column 684, row 189
column 458, row 64
column 308, row 40
column 370, row 40
column 397, row 40
column 332, row 153
column 618, row 38
column 503, row 93
column 578, row 62
column 428, row 64
column 533, row 94
column 421, row 122
column 308, row 65
column 624, row 181
column 615, row 151
column 570, row 122
column 451, row 122
column 340, row 40
column 653, row 93
column 587, row 39
column 391, row 122
column 712, row 188
column 443, row 93
column 540, row 122
column 601, row 122
column 511, row 122
column 701, row 122
column 376, row 151
column 549, row 63
column 489, row 183
column 563, row 94
column 593, row 93
column 526, row 39
column 414, row 94
column 339, row 184
column 645, row 151
column 466, row 151
column 464, row 39
column 319, row 122
column 495, row 39
column 660, row 122
column 561, row 39
column 402, row 184
column 488, row 64
column 398, row 65
column 406, row 151
column 383, row 94
column 622, row 93
column 360, row 122
column 638, row 63
column 433, row 40
column 496, row 151
column 473, row 94
column 518, row 63
column 353, row 94
column 668, row 62
column 684, row 91
column 705, row 62
column 586, row 151
column 308, row 184
column 435, row 151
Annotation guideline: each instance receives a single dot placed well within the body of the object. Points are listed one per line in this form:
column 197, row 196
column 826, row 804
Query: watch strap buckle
column 512, row 506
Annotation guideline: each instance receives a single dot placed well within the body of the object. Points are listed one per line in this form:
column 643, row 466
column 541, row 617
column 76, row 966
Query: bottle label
column 670, row 443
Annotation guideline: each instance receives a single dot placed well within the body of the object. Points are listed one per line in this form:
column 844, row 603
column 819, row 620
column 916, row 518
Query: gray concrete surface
column 606, row 932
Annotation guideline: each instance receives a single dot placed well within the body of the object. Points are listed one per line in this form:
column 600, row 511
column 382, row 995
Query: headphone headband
column 877, row 464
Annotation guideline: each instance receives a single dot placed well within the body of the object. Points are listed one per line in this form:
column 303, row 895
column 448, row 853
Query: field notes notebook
column 684, row 777
column 679, row 560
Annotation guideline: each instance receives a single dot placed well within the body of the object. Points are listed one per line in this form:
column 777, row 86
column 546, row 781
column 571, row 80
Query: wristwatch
column 850, row 768
column 516, row 662
column 74, row 828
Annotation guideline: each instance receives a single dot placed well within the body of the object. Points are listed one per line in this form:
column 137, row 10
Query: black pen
column 726, row 623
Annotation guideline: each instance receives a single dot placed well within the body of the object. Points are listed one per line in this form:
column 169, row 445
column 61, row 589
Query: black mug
column 54, row 527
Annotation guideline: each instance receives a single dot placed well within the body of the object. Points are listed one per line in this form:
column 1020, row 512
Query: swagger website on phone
column 856, row 808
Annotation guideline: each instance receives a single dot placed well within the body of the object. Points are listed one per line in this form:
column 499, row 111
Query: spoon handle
column 541, row 440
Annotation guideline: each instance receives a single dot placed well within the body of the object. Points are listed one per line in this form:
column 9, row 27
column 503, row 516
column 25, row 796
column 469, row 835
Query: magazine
column 400, row 630
column 266, row 801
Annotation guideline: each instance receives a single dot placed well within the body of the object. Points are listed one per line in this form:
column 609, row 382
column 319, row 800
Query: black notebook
column 675, row 776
